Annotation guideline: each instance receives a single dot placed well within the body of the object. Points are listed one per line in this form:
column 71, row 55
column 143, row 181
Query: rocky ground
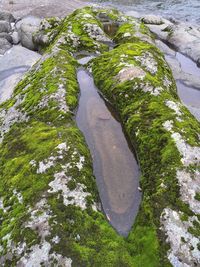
column 46, row 8
column 53, row 216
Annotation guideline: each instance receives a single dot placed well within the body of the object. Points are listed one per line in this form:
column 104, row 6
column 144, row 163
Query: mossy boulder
column 137, row 81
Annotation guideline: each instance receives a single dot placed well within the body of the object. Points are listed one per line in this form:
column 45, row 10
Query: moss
column 143, row 115
column 197, row 196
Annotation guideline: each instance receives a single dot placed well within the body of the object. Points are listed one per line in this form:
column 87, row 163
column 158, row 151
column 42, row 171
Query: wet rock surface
column 13, row 64
column 183, row 36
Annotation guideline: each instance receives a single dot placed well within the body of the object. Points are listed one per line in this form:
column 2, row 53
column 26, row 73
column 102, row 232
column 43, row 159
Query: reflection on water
column 179, row 9
column 115, row 167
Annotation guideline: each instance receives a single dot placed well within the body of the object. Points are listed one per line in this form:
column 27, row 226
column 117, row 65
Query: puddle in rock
column 187, row 65
column 115, row 168
column 110, row 28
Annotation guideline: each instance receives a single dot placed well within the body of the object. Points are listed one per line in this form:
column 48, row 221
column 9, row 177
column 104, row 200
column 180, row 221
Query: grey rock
column 5, row 26
column 4, row 46
column 26, row 36
column 15, row 37
column 132, row 13
column 29, row 20
column 152, row 19
column 187, row 78
column 6, row 16
column 26, row 28
column 6, row 36
column 165, row 48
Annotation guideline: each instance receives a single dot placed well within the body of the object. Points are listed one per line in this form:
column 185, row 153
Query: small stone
column 15, row 37
column 152, row 19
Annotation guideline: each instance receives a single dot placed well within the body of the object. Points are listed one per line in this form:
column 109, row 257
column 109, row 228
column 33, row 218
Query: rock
column 198, row 62
column 186, row 39
column 6, row 36
column 4, row 45
column 165, row 48
column 152, row 19
column 6, row 16
column 13, row 64
column 134, row 14
column 5, row 26
column 48, row 30
column 18, row 56
column 186, row 78
column 183, row 36
column 26, row 36
column 15, row 37
column 26, row 27
column 29, row 20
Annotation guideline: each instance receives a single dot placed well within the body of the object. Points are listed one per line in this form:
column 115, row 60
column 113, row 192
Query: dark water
column 115, row 167
column 186, row 10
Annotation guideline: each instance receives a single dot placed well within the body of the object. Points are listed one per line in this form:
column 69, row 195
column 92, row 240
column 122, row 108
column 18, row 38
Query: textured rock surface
column 13, row 64
column 47, row 8
column 183, row 36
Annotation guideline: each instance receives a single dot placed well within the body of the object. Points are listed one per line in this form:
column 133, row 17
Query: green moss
column 197, row 196
column 143, row 115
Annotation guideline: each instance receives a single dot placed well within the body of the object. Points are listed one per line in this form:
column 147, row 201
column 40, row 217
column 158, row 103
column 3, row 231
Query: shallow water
column 185, row 10
column 115, row 167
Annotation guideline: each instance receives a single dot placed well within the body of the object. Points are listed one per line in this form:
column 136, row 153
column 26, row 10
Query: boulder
column 30, row 20
column 5, row 26
column 4, row 45
column 26, row 35
column 6, row 16
column 26, row 28
column 152, row 19
column 18, row 56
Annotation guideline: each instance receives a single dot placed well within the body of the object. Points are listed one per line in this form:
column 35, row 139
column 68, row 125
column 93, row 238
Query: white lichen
column 184, row 250
column 10, row 116
column 39, row 219
column 189, row 187
column 175, row 106
column 168, row 125
column 51, row 161
column 75, row 197
column 18, row 195
column 190, row 154
column 148, row 62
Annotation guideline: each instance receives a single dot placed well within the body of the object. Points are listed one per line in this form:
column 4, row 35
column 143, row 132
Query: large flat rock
column 13, row 64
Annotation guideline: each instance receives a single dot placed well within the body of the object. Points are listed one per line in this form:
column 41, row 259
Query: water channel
column 115, row 167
